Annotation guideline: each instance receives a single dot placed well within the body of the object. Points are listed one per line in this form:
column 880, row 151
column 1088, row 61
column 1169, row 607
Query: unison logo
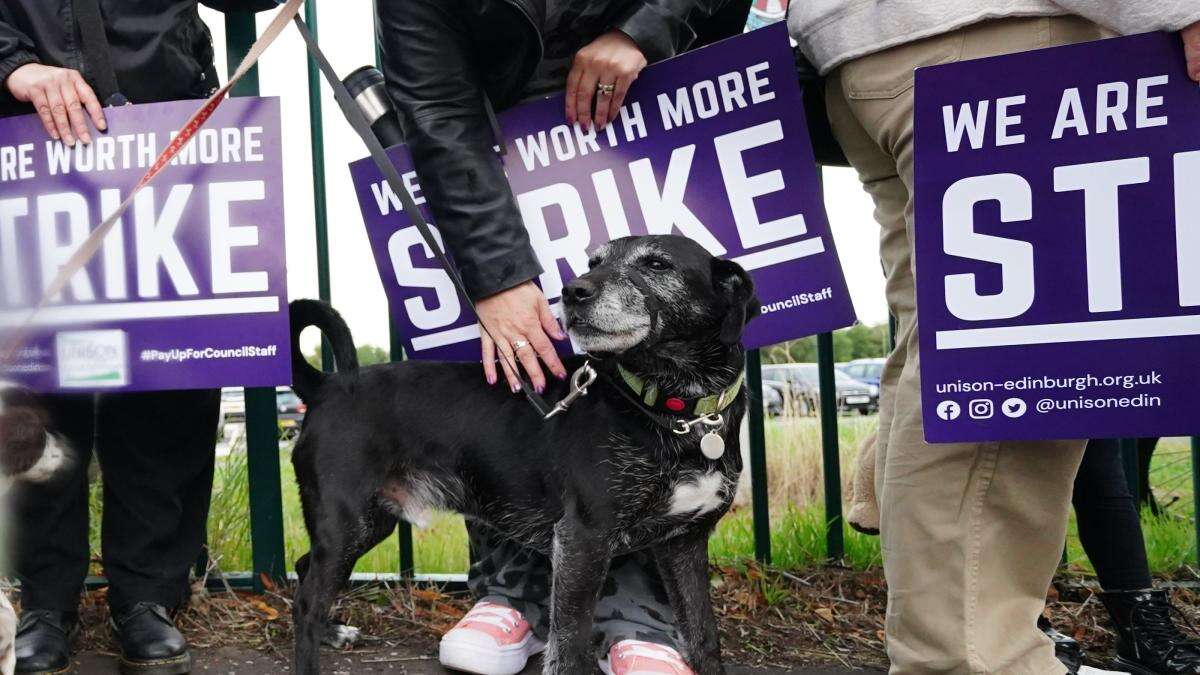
column 92, row 359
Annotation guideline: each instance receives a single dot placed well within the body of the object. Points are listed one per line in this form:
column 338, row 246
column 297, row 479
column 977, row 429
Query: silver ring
column 518, row 344
column 606, row 89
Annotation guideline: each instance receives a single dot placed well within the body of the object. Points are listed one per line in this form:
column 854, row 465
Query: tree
column 859, row 341
column 368, row 355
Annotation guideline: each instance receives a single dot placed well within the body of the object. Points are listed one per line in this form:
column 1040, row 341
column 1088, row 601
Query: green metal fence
column 266, row 506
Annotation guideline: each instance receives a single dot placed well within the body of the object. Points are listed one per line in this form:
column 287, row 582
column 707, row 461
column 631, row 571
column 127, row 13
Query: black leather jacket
column 441, row 58
column 160, row 49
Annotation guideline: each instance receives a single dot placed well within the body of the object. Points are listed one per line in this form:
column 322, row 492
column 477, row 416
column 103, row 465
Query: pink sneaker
column 490, row 640
column 634, row 657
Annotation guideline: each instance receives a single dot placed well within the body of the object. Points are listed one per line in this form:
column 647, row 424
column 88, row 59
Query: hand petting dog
column 521, row 320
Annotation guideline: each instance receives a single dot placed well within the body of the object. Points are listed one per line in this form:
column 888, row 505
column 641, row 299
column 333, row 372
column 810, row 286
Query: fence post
column 262, row 424
column 1196, row 492
column 835, row 545
column 405, row 541
column 316, row 130
column 396, row 353
column 758, row 459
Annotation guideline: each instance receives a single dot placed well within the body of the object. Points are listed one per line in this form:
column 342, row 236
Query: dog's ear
column 22, row 440
column 734, row 285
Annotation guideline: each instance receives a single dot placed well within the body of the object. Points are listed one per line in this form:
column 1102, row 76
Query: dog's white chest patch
column 697, row 494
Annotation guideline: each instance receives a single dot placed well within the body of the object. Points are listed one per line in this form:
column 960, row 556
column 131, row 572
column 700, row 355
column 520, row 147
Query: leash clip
column 682, row 427
column 580, row 381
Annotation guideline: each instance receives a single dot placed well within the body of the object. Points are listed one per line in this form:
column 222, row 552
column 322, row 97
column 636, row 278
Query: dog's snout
column 579, row 291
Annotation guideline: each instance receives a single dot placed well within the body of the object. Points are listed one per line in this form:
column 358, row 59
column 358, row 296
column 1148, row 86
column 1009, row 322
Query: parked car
column 233, row 409
column 291, row 412
column 864, row 370
column 867, row 371
column 773, row 397
column 851, row 395
column 288, row 407
column 800, row 396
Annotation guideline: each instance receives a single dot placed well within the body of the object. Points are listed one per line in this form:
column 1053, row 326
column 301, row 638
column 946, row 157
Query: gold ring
column 519, row 344
column 606, row 89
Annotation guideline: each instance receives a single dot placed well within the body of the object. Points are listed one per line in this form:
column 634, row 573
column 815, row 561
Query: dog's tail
column 306, row 380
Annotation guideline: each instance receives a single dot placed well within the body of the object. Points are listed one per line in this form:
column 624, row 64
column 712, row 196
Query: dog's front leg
column 579, row 564
column 683, row 566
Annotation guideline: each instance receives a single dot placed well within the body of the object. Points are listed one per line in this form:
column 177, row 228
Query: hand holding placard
column 613, row 59
column 60, row 96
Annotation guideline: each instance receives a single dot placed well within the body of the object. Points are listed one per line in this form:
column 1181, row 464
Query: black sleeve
column 427, row 60
column 240, row 5
column 664, row 28
column 16, row 50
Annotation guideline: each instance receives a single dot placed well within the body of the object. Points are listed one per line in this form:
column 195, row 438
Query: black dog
column 621, row 470
column 30, row 451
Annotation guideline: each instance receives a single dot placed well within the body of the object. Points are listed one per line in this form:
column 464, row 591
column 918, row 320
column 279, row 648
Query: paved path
column 233, row 661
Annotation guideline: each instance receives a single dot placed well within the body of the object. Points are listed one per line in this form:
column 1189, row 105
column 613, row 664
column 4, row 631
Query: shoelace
column 504, row 617
column 1162, row 633
column 656, row 652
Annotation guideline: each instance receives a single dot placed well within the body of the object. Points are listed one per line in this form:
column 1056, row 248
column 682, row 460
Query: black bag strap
column 826, row 149
column 96, row 52
column 358, row 121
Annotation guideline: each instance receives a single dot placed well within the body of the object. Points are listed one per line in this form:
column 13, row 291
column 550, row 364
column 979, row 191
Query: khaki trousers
column 972, row 533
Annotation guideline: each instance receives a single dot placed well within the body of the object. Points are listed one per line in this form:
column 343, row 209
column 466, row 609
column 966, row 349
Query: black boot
column 1066, row 648
column 1149, row 641
column 44, row 640
column 150, row 643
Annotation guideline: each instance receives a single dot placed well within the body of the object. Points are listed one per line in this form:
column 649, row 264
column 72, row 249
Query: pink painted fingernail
column 541, row 388
column 562, row 375
column 516, row 388
column 491, row 379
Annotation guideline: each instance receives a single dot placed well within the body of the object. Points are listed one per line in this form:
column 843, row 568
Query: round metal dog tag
column 712, row 445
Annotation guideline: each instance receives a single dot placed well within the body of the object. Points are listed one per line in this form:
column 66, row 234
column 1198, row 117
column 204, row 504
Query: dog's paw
column 341, row 636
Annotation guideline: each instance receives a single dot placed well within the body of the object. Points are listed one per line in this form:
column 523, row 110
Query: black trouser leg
column 50, row 520
column 1107, row 514
column 156, row 453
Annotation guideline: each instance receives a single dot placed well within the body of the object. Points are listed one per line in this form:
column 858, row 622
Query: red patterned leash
column 90, row 246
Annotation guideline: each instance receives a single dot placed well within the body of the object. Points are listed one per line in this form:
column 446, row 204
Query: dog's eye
column 657, row 264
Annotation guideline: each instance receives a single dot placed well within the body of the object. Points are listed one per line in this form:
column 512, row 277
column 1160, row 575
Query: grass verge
column 796, row 498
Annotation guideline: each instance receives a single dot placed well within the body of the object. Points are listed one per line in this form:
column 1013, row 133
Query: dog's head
column 650, row 291
column 28, row 451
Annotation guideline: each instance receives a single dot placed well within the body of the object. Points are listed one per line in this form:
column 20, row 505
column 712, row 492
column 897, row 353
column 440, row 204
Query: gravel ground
column 239, row 661
column 825, row 621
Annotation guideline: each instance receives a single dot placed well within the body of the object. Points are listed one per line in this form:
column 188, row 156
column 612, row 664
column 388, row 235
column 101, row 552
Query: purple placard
column 189, row 290
column 1058, row 250
column 733, row 170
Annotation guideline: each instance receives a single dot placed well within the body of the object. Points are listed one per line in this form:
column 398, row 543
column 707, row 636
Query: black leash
column 362, row 127
column 94, row 42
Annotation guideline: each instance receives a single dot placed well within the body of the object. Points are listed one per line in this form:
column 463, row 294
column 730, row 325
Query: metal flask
column 367, row 88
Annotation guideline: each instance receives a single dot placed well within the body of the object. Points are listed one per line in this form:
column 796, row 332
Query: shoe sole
column 68, row 669
column 72, row 638
column 481, row 661
column 178, row 665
